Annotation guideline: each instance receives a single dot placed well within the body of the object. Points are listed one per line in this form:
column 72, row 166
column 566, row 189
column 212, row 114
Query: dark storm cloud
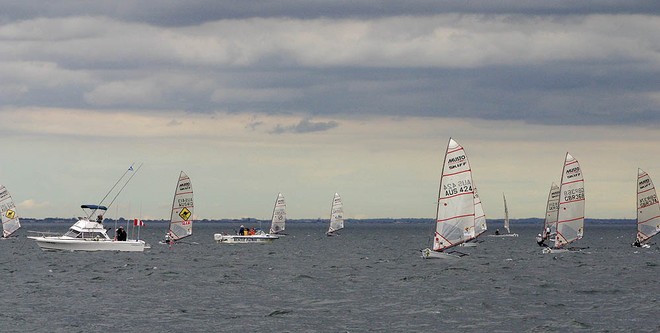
column 182, row 13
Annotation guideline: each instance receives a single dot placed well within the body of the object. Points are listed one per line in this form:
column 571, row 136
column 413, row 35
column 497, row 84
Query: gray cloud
column 178, row 13
column 548, row 63
column 305, row 126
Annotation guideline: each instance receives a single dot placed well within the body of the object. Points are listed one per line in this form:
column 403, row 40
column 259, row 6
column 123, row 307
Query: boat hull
column 240, row 239
column 60, row 244
column 551, row 250
column 430, row 254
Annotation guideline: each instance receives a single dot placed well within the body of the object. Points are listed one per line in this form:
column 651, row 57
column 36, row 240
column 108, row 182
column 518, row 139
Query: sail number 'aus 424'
column 462, row 186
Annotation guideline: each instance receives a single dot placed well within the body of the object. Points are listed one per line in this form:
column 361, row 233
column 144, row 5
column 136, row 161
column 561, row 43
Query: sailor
column 637, row 243
column 547, row 232
column 121, row 234
column 497, row 231
column 99, row 219
column 241, row 230
column 540, row 240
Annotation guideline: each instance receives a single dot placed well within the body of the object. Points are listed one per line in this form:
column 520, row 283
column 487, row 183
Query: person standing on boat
column 99, row 219
column 121, row 234
column 241, row 230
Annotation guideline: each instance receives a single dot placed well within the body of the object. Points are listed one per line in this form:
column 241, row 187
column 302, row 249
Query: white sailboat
column 506, row 223
column 10, row 221
column 455, row 213
column 336, row 216
column 89, row 234
column 648, row 210
column 550, row 223
column 277, row 224
column 479, row 222
column 183, row 208
column 570, row 212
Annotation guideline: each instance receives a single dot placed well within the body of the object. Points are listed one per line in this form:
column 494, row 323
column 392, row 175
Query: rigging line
column 113, row 187
column 122, row 188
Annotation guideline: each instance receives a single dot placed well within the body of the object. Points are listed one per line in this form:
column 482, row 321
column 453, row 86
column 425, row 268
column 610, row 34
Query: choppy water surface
column 370, row 278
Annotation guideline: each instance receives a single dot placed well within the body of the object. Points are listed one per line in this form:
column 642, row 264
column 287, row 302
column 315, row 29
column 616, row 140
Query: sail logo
column 185, row 214
column 644, row 183
column 571, row 173
column 648, row 201
column 456, row 162
column 10, row 214
column 184, row 186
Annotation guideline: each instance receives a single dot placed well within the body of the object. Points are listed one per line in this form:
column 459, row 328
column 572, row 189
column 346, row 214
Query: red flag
column 138, row 223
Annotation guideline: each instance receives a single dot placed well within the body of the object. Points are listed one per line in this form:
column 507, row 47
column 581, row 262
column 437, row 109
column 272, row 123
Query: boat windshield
column 85, row 235
column 93, row 235
column 73, row 234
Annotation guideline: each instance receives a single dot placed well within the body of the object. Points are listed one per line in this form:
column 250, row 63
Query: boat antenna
column 130, row 168
column 126, row 183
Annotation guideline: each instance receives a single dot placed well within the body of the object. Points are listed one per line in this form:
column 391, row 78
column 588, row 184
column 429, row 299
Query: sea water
column 369, row 278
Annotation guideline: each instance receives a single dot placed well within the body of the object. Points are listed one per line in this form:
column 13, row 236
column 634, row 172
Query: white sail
column 506, row 215
column 336, row 215
column 10, row 222
column 182, row 209
column 551, row 212
column 570, row 218
column 648, row 208
column 479, row 215
column 456, row 200
column 277, row 224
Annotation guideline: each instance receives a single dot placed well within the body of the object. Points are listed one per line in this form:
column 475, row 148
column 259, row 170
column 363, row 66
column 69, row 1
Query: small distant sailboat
column 336, row 216
column 506, row 223
column 456, row 210
column 278, row 221
column 648, row 210
column 10, row 222
column 550, row 223
column 570, row 212
column 183, row 208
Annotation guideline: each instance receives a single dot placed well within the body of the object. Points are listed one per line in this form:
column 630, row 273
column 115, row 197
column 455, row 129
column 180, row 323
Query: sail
column 456, row 204
column 506, row 215
column 479, row 215
column 10, row 221
column 182, row 209
column 648, row 208
column 279, row 215
column 551, row 211
column 570, row 218
column 336, row 215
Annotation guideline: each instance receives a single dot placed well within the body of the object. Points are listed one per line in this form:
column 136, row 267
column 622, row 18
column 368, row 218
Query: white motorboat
column 257, row 238
column 86, row 235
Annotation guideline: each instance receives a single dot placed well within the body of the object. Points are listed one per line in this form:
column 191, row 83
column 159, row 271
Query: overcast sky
column 309, row 98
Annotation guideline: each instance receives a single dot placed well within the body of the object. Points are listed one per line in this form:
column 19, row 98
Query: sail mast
column 506, row 215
